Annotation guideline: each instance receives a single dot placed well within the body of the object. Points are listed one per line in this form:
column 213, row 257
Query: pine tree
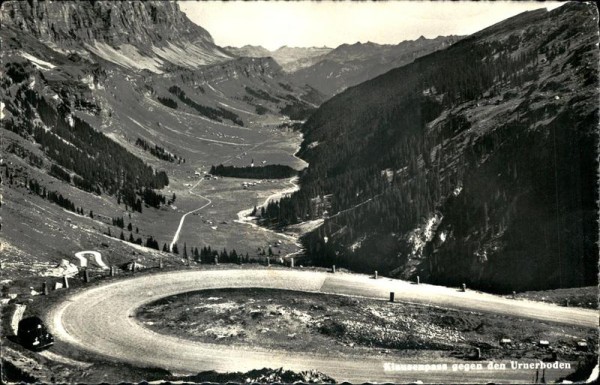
column 131, row 238
column 224, row 256
column 165, row 248
column 129, row 227
column 185, row 254
column 122, row 236
column 175, row 250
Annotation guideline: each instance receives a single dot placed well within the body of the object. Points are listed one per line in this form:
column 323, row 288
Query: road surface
column 100, row 320
column 191, row 192
column 182, row 220
column 82, row 256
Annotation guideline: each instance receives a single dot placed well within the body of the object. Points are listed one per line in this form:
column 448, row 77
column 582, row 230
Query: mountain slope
column 474, row 164
column 331, row 71
column 294, row 58
column 348, row 65
column 87, row 142
column 289, row 58
column 137, row 35
column 249, row 51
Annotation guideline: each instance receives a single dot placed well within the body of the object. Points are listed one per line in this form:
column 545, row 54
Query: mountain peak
column 154, row 33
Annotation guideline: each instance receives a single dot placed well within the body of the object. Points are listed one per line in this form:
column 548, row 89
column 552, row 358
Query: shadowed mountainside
column 474, row 164
column 351, row 64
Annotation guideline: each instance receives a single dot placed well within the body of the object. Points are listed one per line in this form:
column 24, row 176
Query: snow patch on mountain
column 419, row 237
column 190, row 55
column 126, row 56
column 39, row 63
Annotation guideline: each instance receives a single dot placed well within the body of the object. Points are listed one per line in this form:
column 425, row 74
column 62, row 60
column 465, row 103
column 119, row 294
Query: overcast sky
column 327, row 23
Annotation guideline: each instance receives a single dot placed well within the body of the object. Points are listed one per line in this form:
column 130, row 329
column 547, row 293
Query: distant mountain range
column 333, row 70
column 349, row 65
column 289, row 58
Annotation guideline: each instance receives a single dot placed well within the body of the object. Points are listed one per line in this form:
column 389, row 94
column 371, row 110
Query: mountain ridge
column 331, row 70
column 289, row 58
column 140, row 35
column 351, row 64
column 427, row 170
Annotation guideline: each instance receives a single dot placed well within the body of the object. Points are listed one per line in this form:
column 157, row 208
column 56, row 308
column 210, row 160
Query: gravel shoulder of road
column 586, row 297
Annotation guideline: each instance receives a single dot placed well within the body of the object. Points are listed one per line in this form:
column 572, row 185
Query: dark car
column 33, row 334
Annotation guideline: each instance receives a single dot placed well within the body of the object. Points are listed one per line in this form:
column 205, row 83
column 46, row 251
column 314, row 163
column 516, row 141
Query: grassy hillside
column 86, row 141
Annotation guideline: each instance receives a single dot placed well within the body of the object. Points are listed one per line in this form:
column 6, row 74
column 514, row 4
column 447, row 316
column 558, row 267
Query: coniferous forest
column 157, row 151
column 397, row 153
column 271, row 171
column 99, row 164
column 211, row 113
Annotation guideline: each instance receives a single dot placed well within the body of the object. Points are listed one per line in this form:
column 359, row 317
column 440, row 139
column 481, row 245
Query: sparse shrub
column 348, row 301
column 509, row 95
column 59, row 173
column 168, row 102
column 184, row 317
column 261, row 110
column 332, row 328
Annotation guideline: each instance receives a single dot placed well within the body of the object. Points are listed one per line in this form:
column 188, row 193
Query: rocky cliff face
column 242, row 67
column 293, row 59
column 121, row 32
column 130, row 22
column 249, row 51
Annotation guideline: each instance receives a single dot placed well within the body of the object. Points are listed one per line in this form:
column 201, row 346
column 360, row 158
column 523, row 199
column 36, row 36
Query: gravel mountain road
column 101, row 320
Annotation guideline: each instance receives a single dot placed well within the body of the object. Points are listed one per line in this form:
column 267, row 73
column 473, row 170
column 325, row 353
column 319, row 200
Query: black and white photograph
column 307, row 191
